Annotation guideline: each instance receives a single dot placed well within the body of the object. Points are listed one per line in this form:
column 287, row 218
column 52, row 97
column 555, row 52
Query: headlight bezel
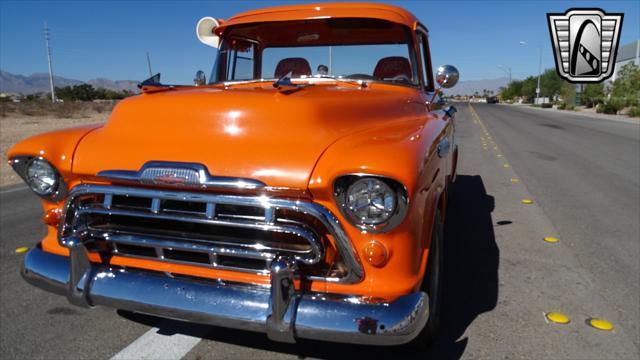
column 340, row 191
column 21, row 165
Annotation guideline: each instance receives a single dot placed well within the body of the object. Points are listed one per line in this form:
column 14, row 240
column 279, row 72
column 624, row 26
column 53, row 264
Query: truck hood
column 253, row 132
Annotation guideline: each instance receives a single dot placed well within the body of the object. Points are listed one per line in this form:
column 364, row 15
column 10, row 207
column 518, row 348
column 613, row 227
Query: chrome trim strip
column 246, row 250
column 320, row 316
column 317, row 248
column 180, row 172
column 348, row 254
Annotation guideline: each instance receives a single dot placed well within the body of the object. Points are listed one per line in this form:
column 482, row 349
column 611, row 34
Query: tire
column 432, row 285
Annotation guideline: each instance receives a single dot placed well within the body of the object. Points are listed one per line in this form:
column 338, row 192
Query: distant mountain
column 471, row 86
column 39, row 82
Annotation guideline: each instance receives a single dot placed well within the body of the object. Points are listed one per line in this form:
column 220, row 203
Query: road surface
column 582, row 175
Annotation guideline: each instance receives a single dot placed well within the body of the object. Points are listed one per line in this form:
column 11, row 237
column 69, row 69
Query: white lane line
column 20, row 188
column 154, row 345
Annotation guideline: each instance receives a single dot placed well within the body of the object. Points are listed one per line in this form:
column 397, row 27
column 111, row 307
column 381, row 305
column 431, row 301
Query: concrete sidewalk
column 621, row 118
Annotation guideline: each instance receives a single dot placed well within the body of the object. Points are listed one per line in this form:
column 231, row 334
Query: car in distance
column 301, row 192
column 492, row 100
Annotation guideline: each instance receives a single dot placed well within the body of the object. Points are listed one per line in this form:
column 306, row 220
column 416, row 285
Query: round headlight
column 370, row 201
column 41, row 177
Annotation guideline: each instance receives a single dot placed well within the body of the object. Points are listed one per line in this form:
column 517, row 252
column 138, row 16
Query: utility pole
column 149, row 64
column 46, row 41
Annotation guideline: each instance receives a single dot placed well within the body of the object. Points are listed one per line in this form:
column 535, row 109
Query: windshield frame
column 214, row 79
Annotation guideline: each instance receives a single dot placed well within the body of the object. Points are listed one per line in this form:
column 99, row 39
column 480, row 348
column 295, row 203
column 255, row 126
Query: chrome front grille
column 240, row 233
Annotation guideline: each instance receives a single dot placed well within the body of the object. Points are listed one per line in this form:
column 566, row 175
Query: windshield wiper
column 357, row 82
column 285, row 81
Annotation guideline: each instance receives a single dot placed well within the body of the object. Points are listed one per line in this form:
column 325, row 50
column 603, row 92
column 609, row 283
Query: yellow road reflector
column 550, row 239
column 514, row 180
column 21, row 250
column 499, row 155
column 557, row 318
column 600, row 324
column 527, row 201
column 506, row 165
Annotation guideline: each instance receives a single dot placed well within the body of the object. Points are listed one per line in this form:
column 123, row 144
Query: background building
column 626, row 54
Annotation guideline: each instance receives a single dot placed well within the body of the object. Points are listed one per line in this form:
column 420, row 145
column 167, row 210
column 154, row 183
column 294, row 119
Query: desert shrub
column 565, row 106
column 592, row 95
column 4, row 109
column 69, row 109
column 634, row 111
column 101, row 107
column 610, row 107
column 28, row 108
column 626, row 87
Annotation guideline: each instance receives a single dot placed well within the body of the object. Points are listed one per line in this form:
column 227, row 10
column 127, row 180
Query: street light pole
column 539, row 72
column 539, row 67
column 507, row 71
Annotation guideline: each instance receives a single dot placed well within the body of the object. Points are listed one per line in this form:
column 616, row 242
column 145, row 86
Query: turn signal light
column 52, row 217
column 375, row 253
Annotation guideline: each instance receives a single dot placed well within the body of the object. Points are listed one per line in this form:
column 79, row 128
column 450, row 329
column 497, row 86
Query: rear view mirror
column 447, row 76
column 200, row 78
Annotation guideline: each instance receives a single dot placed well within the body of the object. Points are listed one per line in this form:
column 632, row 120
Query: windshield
column 358, row 49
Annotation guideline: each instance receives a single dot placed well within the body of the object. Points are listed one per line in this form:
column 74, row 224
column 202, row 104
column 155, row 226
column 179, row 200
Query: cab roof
column 380, row 11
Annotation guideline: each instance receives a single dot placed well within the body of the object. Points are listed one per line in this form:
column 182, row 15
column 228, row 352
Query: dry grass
column 16, row 125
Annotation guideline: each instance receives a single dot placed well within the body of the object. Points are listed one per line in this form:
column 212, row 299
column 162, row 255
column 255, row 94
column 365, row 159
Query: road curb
column 618, row 118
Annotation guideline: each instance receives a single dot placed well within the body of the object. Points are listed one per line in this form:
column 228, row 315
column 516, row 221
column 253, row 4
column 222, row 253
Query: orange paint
column 297, row 144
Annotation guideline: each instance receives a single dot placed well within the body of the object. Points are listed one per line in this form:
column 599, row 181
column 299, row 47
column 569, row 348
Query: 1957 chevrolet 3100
column 300, row 192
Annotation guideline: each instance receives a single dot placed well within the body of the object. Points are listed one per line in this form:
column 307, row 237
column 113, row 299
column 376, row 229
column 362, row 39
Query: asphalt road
column 583, row 177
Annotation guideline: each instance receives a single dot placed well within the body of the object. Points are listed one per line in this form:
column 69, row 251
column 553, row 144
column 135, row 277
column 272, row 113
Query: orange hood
column 245, row 131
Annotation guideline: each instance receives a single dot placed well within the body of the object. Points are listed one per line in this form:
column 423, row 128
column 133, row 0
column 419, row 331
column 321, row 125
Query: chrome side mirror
column 447, row 76
column 200, row 79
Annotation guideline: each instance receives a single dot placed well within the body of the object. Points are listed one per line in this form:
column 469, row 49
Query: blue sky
column 110, row 38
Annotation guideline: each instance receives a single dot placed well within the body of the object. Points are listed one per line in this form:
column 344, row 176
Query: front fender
column 407, row 152
column 57, row 147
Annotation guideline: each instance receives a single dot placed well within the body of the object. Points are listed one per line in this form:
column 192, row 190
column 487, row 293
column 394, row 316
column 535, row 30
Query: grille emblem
column 585, row 43
column 170, row 179
column 171, row 176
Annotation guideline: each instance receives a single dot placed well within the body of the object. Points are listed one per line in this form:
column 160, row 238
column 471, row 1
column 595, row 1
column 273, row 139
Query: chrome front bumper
column 279, row 311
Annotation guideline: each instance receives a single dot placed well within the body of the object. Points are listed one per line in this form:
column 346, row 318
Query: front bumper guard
column 280, row 311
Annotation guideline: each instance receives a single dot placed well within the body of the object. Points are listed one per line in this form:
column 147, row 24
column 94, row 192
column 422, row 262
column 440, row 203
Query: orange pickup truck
column 300, row 192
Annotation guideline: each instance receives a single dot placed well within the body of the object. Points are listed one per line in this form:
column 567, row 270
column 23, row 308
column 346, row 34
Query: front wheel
column 432, row 284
